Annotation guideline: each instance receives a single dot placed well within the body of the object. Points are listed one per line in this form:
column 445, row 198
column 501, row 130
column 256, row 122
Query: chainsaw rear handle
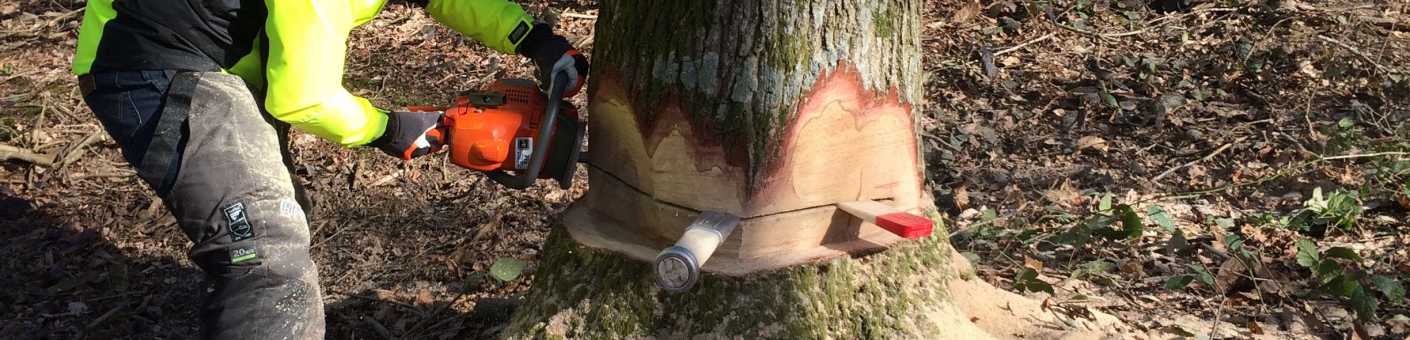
column 524, row 179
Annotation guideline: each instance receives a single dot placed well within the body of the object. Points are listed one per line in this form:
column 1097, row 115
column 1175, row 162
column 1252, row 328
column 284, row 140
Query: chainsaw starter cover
column 495, row 129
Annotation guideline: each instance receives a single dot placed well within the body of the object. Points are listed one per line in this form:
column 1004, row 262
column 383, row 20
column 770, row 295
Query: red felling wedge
column 898, row 222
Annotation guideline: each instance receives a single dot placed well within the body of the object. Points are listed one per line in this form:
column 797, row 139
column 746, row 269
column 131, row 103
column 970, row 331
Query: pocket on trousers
column 125, row 103
column 117, row 112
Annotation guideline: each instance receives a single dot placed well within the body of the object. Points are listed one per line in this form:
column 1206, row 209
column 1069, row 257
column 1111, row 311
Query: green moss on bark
column 593, row 294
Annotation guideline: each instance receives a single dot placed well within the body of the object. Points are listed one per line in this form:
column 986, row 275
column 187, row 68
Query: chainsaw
column 515, row 133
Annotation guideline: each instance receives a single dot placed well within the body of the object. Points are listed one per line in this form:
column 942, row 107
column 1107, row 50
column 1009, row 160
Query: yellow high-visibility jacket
column 306, row 51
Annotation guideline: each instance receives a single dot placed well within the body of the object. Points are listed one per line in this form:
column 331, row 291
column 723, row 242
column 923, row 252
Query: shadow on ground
column 66, row 281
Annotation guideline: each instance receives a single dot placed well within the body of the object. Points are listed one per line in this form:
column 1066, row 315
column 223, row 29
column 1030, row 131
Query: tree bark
column 773, row 111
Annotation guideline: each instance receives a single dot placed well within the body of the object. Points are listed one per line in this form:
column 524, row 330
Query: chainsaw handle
column 524, row 179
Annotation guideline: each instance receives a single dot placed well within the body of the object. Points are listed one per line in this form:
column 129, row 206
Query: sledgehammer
column 678, row 266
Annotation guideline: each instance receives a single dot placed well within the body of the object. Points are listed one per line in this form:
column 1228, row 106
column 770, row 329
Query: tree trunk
column 773, row 111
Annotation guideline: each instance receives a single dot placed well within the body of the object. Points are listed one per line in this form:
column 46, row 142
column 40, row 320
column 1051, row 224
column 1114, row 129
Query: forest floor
column 1231, row 169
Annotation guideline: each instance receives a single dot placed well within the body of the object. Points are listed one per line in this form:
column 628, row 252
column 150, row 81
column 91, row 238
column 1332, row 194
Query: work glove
column 552, row 53
column 412, row 134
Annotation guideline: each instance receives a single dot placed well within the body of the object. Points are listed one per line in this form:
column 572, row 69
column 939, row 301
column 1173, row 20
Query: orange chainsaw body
column 495, row 130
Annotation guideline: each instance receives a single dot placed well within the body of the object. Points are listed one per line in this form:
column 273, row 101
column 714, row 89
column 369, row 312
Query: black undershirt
column 193, row 35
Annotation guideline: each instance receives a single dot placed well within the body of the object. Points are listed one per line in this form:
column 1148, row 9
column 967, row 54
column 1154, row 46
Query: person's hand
column 552, row 53
column 411, row 134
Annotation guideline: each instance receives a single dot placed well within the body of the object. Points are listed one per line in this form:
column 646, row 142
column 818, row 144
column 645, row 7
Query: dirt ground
column 1047, row 125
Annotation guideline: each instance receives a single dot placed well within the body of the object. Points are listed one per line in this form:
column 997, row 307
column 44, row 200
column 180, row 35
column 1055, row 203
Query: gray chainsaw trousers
column 222, row 167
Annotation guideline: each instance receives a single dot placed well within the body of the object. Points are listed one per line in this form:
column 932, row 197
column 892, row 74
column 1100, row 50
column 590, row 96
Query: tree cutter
column 515, row 133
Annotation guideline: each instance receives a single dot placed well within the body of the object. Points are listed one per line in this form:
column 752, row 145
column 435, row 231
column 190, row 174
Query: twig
column 1218, row 313
column 1021, row 46
column 1152, row 24
column 1355, row 51
column 103, row 317
column 1205, row 158
column 38, row 123
column 408, row 306
column 63, row 17
column 1075, row 29
column 1387, row 23
column 1392, row 24
column 1288, row 170
column 1367, row 155
column 938, row 139
column 20, row 74
column 72, row 153
column 586, row 41
column 99, row 320
column 386, row 179
column 578, row 16
column 381, row 330
column 9, row 152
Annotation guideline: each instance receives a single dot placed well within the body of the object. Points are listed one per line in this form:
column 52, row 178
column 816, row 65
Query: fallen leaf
column 1032, row 263
column 77, row 308
column 966, row 13
column 1178, row 282
column 1064, row 195
column 384, row 295
column 487, row 228
column 961, row 198
column 1132, row 267
column 1177, row 330
column 1399, row 324
column 423, row 297
column 1160, row 217
column 506, row 269
column 1231, row 276
column 1009, row 61
column 1197, row 171
column 1092, row 142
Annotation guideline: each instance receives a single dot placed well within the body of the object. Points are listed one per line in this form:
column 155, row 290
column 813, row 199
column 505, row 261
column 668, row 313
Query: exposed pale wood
column 897, row 222
column 866, row 210
column 614, row 217
column 675, row 167
column 846, row 144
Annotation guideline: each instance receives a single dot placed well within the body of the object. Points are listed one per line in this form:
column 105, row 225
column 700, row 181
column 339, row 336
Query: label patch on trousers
column 242, row 254
column 240, row 228
column 290, row 208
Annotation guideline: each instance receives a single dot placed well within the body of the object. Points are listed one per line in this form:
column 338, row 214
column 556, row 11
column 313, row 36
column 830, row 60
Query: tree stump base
column 773, row 112
column 915, row 290
column 584, row 292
